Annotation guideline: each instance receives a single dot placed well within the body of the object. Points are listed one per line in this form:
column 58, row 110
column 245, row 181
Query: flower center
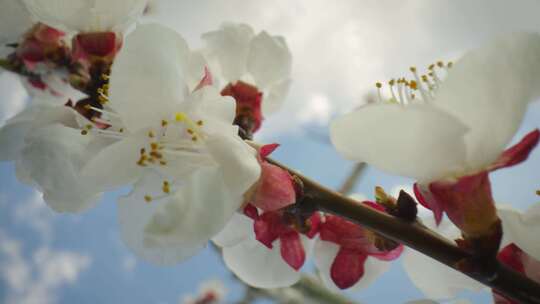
column 404, row 91
column 179, row 136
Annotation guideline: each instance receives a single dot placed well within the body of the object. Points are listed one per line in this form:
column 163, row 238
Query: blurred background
column 340, row 49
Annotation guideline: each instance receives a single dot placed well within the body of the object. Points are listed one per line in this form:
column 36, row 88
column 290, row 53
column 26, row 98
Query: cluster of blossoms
column 170, row 123
column 450, row 134
column 131, row 105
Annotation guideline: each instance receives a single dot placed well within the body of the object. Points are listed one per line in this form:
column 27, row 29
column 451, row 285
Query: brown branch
column 414, row 235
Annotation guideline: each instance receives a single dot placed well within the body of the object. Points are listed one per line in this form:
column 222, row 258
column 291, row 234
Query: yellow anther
column 190, row 131
column 413, row 85
column 180, row 117
column 424, row 78
column 142, row 151
column 431, row 67
column 105, row 76
column 154, row 146
column 84, row 132
column 378, row 85
column 148, row 198
column 449, row 64
column 87, row 107
column 440, row 64
column 151, row 134
column 200, row 122
column 121, row 130
column 162, row 162
column 166, row 188
column 164, row 123
column 391, row 82
column 155, row 154
column 412, row 69
column 194, row 138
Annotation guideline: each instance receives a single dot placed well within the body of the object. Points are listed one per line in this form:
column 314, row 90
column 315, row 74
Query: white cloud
column 34, row 213
column 37, row 280
column 318, row 110
column 341, row 50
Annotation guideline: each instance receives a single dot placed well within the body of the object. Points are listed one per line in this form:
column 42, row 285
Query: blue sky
column 339, row 51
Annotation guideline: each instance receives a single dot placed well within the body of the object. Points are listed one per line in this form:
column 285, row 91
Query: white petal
column 212, row 107
column 171, row 230
column 269, row 60
column 435, row 280
column 237, row 230
column 522, row 228
column 258, row 266
column 87, row 16
column 148, row 77
column 15, row 20
column 275, row 96
column 115, row 165
column 13, row 134
column 195, row 72
column 12, row 139
column 237, row 160
column 227, row 49
column 417, row 141
column 52, row 158
column 489, row 89
column 325, row 253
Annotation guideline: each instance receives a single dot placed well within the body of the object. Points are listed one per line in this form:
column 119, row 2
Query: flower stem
column 416, row 236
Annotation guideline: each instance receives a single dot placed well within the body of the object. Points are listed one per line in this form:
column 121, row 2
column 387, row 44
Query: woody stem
column 416, row 236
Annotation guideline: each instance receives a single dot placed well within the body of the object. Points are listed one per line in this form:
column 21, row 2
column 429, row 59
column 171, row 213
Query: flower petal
column 115, row 165
column 87, row 16
column 15, row 22
column 275, row 96
column 170, row 230
column 52, row 159
column 436, row 280
column 347, row 268
column 292, row 250
column 13, row 134
column 489, row 90
column 417, row 141
column 237, row 230
column 275, row 189
column 258, row 266
column 269, row 60
column 228, row 48
column 12, row 139
column 237, row 160
column 325, row 253
column 148, row 76
column 518, row 153
column 522, row 228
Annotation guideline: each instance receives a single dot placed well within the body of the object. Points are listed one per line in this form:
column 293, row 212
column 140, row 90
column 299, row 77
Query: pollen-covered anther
column 151, row 134
column 166, row 187
column 147, row 198
column 86, row 129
